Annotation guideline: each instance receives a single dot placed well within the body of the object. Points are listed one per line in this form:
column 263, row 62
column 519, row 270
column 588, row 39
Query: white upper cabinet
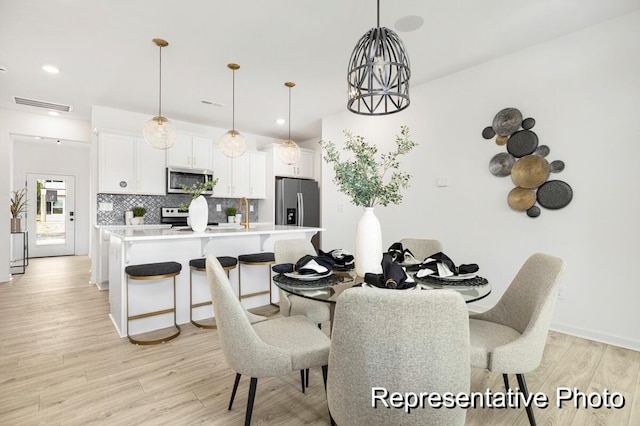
column 302, row 169
column 128, row 165
column 190, row 152
column 239, row 177
column 257, row 175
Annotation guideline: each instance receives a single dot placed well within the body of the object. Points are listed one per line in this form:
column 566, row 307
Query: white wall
column 584, row 92
column 16, row 122
column 70, row 158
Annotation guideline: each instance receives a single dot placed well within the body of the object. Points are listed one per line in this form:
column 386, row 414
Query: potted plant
column 198, row 208
column 369, row 181
column 231, row 214
column 138, row 215
column 18, row 205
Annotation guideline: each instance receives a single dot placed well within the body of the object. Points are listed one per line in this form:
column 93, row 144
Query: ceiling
column 106, row 57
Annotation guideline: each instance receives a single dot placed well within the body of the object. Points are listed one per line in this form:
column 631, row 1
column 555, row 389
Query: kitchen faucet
column 246, row 212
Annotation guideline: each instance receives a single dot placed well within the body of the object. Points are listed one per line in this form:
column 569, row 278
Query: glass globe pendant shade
column 159, row 132
column 233, row 144
column 289, row 152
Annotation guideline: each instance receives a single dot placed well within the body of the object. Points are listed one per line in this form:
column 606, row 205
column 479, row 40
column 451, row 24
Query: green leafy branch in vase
column 196, row 190
column 18, row 204
column 362, row 178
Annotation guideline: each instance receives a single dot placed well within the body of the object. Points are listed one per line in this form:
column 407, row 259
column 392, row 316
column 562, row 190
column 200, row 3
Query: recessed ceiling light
column 280, row 121
column 409, row 23
column 51, row 69
column 54, row 113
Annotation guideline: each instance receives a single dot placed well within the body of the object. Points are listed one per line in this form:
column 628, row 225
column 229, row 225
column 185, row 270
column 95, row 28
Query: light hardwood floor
column 61, row 362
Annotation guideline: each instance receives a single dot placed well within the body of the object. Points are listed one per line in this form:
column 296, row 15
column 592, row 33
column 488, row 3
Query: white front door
column 51, row 214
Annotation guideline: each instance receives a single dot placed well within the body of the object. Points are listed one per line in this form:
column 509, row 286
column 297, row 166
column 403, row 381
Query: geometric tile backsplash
column 152, row 203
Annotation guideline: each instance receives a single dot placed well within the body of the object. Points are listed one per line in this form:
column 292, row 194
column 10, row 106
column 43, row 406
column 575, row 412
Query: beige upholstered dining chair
column 290, row 251
column 510, row 337
column 421, row 248
column 271, row 348
column 399, row 341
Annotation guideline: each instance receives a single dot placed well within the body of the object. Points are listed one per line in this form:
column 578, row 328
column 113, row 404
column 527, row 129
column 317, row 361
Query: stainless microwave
column 177, row 177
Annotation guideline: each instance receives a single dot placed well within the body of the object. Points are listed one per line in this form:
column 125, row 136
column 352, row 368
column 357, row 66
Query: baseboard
column 609, row 339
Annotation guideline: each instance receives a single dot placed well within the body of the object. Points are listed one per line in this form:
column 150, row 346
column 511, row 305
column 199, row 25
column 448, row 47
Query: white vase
column 368, row 255
column 198, row 214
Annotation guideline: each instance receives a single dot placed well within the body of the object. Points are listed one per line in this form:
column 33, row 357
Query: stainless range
column 176, row 217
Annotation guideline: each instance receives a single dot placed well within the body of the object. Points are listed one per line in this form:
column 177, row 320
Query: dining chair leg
column 302, row 380
column 252, row 396
column 306, row 380
column 506, row 382
column 235, row 388
column 525, row 393
column 325, row 369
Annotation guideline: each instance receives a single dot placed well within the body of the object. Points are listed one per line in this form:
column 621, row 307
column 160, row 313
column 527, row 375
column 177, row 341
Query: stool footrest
column 197, row 305
column 202, row 325
column 151, row 314
column 257, row 293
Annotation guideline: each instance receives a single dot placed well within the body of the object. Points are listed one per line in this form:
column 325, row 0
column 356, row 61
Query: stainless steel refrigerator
column 298, row 203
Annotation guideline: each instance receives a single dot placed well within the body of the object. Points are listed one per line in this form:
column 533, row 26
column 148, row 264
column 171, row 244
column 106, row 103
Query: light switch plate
column 250, row 207
column 218, row 208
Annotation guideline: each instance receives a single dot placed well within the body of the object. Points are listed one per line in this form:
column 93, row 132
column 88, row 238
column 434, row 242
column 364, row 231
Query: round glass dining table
column 328, row 289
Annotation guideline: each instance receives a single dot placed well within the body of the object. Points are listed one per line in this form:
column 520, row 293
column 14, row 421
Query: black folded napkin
column 342, row 258
column 393, row 275
column 314, row 265
column 401, row 255
column 440, row 265
column 283, row 268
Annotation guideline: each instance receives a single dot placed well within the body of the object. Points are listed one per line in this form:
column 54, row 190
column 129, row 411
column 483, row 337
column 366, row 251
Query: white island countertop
column 154, row 234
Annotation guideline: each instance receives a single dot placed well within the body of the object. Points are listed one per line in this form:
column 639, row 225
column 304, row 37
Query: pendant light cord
column 289, row 113
column 160, row 90
column 378, row 13
column 233, row 103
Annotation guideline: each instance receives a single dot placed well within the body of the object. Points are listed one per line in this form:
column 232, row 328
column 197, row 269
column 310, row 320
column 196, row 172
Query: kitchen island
column 138, row 246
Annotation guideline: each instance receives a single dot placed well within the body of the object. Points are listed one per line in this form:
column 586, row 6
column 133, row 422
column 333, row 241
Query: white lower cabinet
column 128, row 165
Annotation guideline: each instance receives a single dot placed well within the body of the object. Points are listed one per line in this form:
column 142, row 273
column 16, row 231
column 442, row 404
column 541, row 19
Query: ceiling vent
column 42, row 104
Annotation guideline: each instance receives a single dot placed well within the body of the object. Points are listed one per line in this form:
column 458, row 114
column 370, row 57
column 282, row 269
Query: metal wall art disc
column 530, row 172
column 554, row 194
column 500, row 165
column 522, row 142
column 533, row 211
column 488, row 132
column 521, row 199
column 507, row 121
column 528, row 123
column 557, row 166
column 501, row 140
column 542, row 151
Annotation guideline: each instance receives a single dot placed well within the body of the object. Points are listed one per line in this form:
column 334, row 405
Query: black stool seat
column 153, row 269
column 225, row 262
column 266, row 256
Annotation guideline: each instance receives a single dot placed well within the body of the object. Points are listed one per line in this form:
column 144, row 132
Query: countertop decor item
column 365, row 180
column 289, row 151
column 231, row 214
column 138, row 215
column 18, row 205
column 158, row 131
column 526, row 163
column 232, row 143
column 379, row 73
column 198, row 208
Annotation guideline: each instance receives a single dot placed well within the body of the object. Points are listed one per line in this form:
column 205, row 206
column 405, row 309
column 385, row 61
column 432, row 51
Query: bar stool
column 255, row 259
column 228, row 263
column 153, row 271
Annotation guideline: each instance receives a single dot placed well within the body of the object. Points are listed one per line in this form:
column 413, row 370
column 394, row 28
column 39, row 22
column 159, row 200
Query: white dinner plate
column 306, row 277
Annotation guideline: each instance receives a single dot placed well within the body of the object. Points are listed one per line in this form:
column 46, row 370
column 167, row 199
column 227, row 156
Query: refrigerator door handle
column 298, row 209
column 301, row 222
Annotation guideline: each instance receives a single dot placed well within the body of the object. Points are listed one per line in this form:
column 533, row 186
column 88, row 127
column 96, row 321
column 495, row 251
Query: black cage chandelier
column 378, row 73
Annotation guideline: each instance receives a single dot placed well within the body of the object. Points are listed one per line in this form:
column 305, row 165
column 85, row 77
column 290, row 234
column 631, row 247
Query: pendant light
column 232, row 143
column 159, row 132
column 289, row 151
column 379, row 73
